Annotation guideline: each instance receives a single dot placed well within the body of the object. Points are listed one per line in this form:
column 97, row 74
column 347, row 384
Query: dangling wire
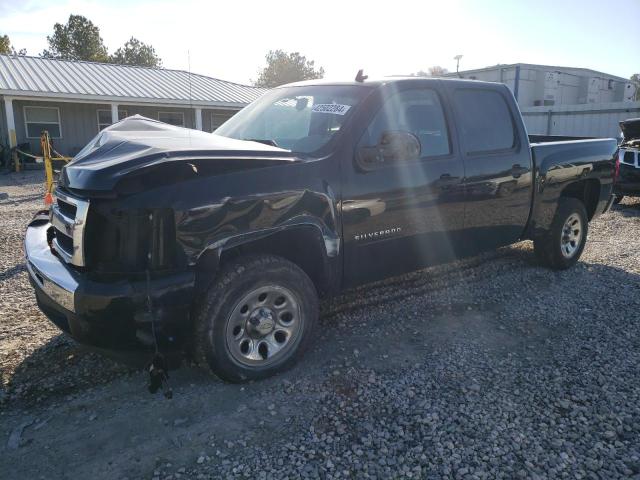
column 158, row 368
column 150, row 311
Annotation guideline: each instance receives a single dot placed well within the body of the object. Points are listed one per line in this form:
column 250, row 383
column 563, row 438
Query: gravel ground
column 491, row 367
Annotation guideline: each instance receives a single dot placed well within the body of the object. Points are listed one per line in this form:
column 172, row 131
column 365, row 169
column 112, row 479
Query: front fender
column 237, row 221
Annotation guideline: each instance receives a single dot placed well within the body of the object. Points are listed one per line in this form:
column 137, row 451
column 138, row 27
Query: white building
column 563, row 100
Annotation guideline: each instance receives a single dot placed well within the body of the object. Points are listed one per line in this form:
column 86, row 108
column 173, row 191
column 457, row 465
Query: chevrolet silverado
column 221, row 244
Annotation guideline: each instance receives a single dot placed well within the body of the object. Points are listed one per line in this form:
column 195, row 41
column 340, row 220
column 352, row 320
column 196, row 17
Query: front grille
column 630, row 157
column 67, row 208
column 68, row 217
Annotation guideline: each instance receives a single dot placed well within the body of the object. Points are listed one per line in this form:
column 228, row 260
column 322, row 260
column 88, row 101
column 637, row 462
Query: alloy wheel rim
column 572, row 233
column 264, row 326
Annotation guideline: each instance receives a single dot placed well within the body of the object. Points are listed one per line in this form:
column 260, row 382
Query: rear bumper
column 628, row 181
column 107, row 315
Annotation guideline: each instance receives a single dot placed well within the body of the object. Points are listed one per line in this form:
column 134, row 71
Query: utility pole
column 457, row 59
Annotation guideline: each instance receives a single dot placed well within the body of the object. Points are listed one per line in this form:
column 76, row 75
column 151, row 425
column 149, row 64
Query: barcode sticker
column 334, row 108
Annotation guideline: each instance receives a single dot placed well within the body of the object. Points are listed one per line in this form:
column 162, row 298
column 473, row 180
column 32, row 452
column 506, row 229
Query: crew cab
column 222, row 244
column 628, row 167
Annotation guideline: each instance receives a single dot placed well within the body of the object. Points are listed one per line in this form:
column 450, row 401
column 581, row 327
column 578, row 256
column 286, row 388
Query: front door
column 402, row 214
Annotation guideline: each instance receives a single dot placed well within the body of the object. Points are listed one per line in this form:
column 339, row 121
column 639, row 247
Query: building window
column 217, row 119
column 37, row 119
column 172, row 118
column 104, row 118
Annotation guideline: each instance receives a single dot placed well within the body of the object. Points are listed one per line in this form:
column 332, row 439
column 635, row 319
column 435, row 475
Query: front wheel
column 256, row 319
column 560, row 247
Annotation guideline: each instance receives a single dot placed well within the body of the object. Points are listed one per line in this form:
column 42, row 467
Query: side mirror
column 393, row 146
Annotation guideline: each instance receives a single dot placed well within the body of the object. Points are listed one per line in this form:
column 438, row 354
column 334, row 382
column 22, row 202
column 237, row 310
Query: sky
column 229, row 39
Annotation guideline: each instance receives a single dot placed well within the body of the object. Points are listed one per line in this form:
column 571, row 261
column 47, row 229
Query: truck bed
column 554, row 138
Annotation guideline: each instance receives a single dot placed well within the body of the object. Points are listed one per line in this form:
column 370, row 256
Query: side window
column 37, row 119
column 172, row 118
column 415, row 111
column 484, row 120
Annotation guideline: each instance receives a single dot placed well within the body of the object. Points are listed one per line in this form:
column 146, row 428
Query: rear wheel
column 256, row 319
column 560, row 247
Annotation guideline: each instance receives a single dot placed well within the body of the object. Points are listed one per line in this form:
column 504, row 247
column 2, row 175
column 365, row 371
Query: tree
column 635, row 79
column 435, row 71
column 283, row 67
column 135, row 52
column 79, row 39
column 5, row 45
column 7, row 49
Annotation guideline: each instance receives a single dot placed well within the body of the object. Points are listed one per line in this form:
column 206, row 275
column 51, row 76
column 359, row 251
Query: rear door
column 398, row 216
column 497, row 163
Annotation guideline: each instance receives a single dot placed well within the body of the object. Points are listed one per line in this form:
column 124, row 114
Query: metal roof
column 50, row 78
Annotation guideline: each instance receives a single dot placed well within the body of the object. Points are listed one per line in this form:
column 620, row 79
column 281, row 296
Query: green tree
column 135, row 52
column 5, row 45
column 78, row 39
column 7, row 49
column 283, row 67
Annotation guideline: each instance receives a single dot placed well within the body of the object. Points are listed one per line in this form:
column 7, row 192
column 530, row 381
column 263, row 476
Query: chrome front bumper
column 47, row 270
column 110, row 315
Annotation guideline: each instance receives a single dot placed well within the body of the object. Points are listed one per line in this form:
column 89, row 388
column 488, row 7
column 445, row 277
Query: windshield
column 300, row 119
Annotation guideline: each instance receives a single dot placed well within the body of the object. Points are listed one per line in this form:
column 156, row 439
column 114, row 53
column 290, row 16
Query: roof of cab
column 386, row 80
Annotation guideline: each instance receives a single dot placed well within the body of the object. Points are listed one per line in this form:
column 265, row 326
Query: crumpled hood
column 138, row 142
column 630, row 128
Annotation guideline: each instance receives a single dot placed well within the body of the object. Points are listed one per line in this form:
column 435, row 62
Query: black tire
column 548, row 246
column 617, row 199
column 217, row 316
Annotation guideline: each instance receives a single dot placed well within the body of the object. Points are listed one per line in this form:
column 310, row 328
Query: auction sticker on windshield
column 334, row 108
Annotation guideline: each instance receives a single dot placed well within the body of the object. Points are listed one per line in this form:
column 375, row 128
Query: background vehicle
column 223, row 243
column 628, row 163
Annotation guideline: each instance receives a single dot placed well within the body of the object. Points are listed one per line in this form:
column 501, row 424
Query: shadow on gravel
column 7, row 200
column 15, row 270
column 629, row 207
column 58, row 367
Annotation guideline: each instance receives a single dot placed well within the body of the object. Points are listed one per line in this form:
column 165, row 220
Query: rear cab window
column 484, row 120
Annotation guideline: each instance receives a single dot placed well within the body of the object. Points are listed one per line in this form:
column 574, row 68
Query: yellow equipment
column 48, row 159
column 47, row 149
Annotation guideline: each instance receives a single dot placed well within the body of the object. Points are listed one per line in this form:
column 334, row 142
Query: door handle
column 517, row 170
column 447, row 179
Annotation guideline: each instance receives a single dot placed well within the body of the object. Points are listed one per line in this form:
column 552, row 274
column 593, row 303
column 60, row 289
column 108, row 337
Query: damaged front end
column 93, row 285
column 628, row 162
column 141, row 218
column 631, row 132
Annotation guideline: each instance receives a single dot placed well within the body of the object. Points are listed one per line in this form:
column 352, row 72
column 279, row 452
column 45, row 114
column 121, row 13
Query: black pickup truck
column 221, row 244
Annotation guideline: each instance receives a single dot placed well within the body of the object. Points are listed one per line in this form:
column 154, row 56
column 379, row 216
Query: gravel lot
column 488, row 368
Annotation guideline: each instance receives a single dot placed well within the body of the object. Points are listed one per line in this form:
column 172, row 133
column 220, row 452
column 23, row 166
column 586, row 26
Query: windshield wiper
column 266, row 141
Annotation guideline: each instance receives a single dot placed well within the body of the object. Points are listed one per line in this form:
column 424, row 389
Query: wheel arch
column 547, row 199
column 304, row 245
column 587, row 191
